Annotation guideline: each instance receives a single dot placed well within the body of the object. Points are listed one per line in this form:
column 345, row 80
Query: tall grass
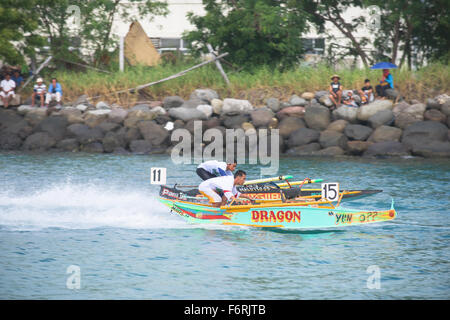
column 256, row 85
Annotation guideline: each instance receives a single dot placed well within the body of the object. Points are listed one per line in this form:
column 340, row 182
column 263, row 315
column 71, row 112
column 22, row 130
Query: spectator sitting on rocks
column 336, row 91
column 386, row 82
column 349, row 100
column 18, row 79
column 7, row 90
column 54, row 92
column 39, row 92
column 366, row 92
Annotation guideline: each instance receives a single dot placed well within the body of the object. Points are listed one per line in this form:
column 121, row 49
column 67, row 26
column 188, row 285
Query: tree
column 98, row 18
column 252, row 32
column 332, row 11
column 17, row 31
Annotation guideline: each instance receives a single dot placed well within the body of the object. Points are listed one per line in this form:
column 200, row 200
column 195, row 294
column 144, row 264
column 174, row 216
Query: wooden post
column 218, row 65
column 37, row 71
column 121, row 53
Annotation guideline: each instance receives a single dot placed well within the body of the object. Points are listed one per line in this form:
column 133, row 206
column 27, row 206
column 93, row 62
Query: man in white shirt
column 39, row 91
column 7, row 90
column 213, row 168
column 227, row 185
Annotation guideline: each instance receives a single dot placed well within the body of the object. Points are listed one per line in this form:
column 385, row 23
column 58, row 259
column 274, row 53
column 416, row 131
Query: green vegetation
column 256, row 85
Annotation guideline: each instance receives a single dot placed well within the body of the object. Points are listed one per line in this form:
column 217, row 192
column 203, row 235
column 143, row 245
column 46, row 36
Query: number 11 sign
column 158, row 176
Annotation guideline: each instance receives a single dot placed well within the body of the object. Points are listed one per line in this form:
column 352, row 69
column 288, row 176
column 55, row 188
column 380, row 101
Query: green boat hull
column 278, row 216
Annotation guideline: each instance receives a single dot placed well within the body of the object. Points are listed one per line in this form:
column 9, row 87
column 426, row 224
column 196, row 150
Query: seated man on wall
column 386, row 82
column 7, row 90
column 54, row 92
column 39, row 91
column 366, row 92
column 336, row 91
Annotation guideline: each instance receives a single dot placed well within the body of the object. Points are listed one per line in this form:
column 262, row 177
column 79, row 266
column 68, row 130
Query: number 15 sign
column 158, row 176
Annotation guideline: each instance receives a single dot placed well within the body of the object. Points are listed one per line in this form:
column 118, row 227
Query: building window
column 314, row 45
column 169, row 44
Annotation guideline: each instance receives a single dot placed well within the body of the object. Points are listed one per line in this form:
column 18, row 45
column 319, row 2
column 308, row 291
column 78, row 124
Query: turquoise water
column 100, row 214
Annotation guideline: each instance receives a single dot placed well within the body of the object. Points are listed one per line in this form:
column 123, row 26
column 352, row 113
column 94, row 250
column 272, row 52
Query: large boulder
column 297, row 101
column 234, row 122
column 217, row 105
column 368, row 110
column 70, row 144
column 435, row 115
column 404, row 120
column 273, row 104
column 308, row 96
column 329, row 152
column 304, row 150
column 94, row 117
column 400, row 107
column 385, row 133
column 291, row 111
column 9, row 141
column 383, row 117
column 135, row 116
column 55, row 126
column 172, row 102
column 145, row 147
column 424, row 132
column 117, row 115
column 326, row 101
column 206, row 109
column 386, row 148
column 330, row 138
column 433, row 104
column 346, row 113
column 33, row 117
column 236, row 106
column 416, row 110
column 261, row 117
column 92, row 147
column 433, row 149
column 337, row 125
column 84, row 134
column 317, row 118
column 39, row 141
column 393, row 94
column 289, row 125
column 153, row 132
column 186, row 114
column 357, row 147
column 112, row 141
column 73, row 115
column 302, row 136
column 204, row 94
column 357, row 132
column 192, row 103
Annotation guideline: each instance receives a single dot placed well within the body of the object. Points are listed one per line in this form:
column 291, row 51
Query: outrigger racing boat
column 303, row 210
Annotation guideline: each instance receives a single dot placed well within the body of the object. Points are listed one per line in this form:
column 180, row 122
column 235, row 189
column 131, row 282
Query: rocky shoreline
column 307, row 127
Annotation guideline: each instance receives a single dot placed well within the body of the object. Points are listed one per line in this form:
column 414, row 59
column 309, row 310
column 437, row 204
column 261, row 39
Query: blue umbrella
column 383, row 65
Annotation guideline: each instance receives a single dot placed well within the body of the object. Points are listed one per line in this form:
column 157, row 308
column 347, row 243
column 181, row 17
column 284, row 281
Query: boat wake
column 79, row 206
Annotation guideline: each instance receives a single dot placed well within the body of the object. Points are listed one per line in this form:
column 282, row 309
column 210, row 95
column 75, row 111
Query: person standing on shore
column 336, row 91
column 7, row 90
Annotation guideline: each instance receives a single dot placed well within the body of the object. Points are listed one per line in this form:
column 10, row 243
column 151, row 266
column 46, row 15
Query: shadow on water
column 304, row 232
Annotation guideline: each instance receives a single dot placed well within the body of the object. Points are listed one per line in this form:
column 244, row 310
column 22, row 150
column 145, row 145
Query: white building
column 166, row 32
